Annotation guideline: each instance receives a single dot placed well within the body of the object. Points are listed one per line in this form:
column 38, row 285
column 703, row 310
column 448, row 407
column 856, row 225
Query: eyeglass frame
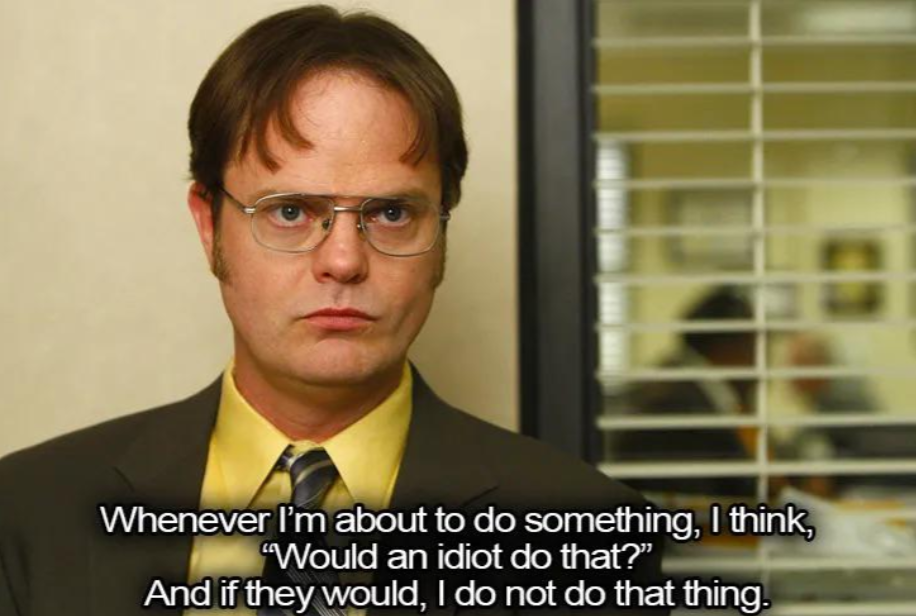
column 251, row 210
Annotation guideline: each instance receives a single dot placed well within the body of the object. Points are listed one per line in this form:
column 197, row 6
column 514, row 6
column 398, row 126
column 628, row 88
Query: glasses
column 295, row 222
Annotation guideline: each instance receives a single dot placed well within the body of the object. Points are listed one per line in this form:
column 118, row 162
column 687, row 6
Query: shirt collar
column 367, row 453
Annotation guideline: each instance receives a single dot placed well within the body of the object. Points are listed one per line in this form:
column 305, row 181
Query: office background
column 723, row 272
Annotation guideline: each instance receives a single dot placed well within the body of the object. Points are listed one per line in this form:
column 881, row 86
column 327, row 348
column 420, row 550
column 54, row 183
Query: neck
column 308, row 411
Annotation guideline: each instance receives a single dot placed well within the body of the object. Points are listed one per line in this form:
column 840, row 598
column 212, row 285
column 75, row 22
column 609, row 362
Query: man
column 327, row 155
column 714, row 397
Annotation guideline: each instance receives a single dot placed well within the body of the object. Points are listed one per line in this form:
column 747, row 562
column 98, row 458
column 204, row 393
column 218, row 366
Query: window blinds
column 765, row 147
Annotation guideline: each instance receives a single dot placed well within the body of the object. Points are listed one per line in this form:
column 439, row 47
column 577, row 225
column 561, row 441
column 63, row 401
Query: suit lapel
column 437, row 467
column 162, row 468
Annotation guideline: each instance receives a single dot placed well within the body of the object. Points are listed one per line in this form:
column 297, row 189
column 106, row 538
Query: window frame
column 557, row 249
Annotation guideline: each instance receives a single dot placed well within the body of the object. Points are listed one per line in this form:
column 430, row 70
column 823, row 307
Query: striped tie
column 312, row 474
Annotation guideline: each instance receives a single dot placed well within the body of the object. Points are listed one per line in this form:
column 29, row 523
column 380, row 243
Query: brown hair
column 252, row 83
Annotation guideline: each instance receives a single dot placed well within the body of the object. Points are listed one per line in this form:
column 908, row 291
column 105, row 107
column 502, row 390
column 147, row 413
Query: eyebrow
column 408, row 194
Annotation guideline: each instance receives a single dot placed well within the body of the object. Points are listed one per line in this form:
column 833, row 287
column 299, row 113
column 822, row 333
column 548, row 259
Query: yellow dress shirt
column 241, row 473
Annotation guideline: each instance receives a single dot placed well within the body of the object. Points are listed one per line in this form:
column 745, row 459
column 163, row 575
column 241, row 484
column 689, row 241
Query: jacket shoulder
column 95, row 446
column 535, row 472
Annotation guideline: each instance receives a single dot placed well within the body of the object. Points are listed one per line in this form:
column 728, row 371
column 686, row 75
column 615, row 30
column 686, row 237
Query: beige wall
column 107, row 306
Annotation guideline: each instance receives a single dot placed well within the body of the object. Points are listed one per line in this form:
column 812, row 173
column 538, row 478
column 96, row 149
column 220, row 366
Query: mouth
column 339, row 319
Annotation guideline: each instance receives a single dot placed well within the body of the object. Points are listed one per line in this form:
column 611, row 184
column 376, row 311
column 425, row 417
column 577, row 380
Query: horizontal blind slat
column 761, row 279
column 648, row 280
column 767, row 135
column 685, row 469
column 746, row 42
column 857, row 608
column 749, row 184
column 682, row 564
column 744, row 231
column 752, row 373
column 744, row 88
column 751, row 326
column 668, row 421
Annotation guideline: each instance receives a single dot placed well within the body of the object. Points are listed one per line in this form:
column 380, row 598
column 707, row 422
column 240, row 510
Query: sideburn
column 219, row 267
column 439, row 276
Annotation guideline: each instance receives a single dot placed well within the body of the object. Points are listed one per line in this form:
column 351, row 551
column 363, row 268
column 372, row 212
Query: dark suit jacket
column 55, row 559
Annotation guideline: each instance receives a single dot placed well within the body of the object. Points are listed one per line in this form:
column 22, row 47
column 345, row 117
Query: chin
column 343, row 367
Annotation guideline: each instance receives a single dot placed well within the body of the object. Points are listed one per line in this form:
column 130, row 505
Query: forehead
column 358, row 132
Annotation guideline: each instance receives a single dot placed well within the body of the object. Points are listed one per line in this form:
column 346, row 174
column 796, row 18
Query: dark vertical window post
column 556, row 245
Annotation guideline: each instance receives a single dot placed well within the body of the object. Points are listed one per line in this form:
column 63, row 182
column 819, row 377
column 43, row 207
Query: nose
column 343, row 255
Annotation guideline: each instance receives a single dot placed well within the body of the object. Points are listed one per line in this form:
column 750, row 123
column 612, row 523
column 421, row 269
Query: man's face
column 359, row 130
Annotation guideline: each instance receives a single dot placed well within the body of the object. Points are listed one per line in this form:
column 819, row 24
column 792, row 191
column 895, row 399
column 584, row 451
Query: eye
column 287, row 215
column 393, row 213
column 390, row 213
column 294, row 212
column 290, row 213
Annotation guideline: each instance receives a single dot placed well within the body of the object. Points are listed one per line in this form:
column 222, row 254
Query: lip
column 339, row 319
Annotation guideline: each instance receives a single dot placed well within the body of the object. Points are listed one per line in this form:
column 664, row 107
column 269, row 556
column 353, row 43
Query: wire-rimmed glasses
column 298, row 222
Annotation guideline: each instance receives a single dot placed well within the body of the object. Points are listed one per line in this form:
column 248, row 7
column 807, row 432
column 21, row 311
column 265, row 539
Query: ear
column 201, row 208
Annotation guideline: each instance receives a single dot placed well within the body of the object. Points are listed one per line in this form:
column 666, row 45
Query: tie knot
column 311, row 474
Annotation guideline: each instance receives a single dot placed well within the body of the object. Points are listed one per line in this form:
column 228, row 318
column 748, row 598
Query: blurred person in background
column 713, row 396
column 837, row 396
column 823, row 394
column 707, row 396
